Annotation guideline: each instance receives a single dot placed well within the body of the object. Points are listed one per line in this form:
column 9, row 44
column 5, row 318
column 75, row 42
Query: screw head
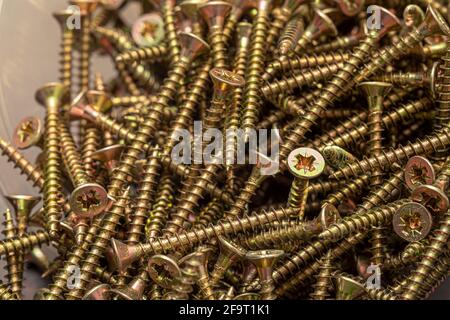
column 163, row 270
column 388, row 22
column 22, row 204
column 433, row 198
column 28, row 132
column 433, row 76
column 229, row 248
column 225, row 80
column 374, row 89
column 99, row 100
column 433, row 23
column 191, row 45
column 52, row 95
column 413, row 16
column 412, row 222
column 323, row 24
column 215, row 12
column 88, row 200
column 350, row 8
column 329, row 215
column 190, row 8
column 347, row 289
column 264, row 258
column 148, row 30
column 418, row 171
column 306, row 163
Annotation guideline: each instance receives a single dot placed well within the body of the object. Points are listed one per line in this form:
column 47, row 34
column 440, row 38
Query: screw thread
column 170, row 31
column 255, row 69
column 161, row 206
column 290, row 35
column 340, row 43
column 90, row 144
column 358, row 223
column 211, row 213
column 219, row 50
column 66, row 57
column 429, row 144
column 298, row 195
column 32, row 173
column 277, row 25
column 442, row 117
column 136, row 227
column 306, row 77
column 323, row 283
column 155, row 54
column 352, row 188
column 52, row 174
column 380, row 294
column 6, row 294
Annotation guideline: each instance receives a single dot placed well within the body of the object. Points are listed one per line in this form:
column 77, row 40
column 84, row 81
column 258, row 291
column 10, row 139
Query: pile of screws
column 359, row 94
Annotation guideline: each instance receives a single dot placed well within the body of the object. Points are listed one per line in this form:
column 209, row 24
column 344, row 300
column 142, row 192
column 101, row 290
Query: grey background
column 29, row 46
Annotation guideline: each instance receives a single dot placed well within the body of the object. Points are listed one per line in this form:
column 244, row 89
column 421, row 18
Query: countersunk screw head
column 88, row 200
column 412, row 222
column 99, row 100
column 192, row 45
column 433, row 23
column 148, row 30
column 52, row 95
column 109, row 156
column 28, row 132
column 323, row 24
column 306, row 163
column 163, row 270
column 329, row 215
column 433, row 198
column 350, row 8
column 418, row 171
column 22, row 204
column 225, row 80
column 263, row 258
column 413, row 16
column 215, row 12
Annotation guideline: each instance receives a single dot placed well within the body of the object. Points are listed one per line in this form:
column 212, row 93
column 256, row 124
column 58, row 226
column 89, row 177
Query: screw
column 290, row 35
column 238, row 10
column 6, row 294
column 358, row 223
column 348, row 288
column 109, row 156
column 24, row 243
column 304, row 164
column 215, row 13
column 255, row 66
column 147, row 30
column 28, row 132
column 189, row 8
column 134, row 290
column 124, row 255
column 67, row 44
column 264, row 261
column 163, row 270
column 156, row 54
column 52, row 96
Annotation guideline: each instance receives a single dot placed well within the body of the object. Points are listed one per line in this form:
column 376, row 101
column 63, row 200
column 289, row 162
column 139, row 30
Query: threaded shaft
column 155, row 54
column 323, row 283
column 25, row 243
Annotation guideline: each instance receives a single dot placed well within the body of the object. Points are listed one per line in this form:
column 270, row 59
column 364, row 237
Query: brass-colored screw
column 87, row 7
column 293, row 64
column 264, row 261
column 340, row 43
column 52, row 96
column 358, row 223
column 134, row 290
column 240, row 7
column 304, row 164
column 189, row 9
column 124, row 255
column 412, row 222
column 287, row 85
column 98, row 292
column 14, row 260
column 215, row 13
column 255, row 66
column 67, row 45
column 438, row 141
column 348, row 288
column 88, row 199
column 154, row 54
column 6, row 294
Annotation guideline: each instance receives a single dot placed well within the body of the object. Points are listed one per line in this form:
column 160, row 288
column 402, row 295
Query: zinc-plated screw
column 304, row 164
column 347, row 288
column 240, row 7
column 156, row 54
column 98, row 292
column 67, row 44
column 255, row 66
column 6, row 294
column 215, row 13
column 264, row 261
column 52, row 96
column 109, row 156
column 134, row 290
column 87, row 7
column 24, row 243
column 359, row 223
column 290, row 35
column 124, row 255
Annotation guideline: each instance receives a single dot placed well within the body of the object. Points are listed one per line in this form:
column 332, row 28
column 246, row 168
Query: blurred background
column 30, row 39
